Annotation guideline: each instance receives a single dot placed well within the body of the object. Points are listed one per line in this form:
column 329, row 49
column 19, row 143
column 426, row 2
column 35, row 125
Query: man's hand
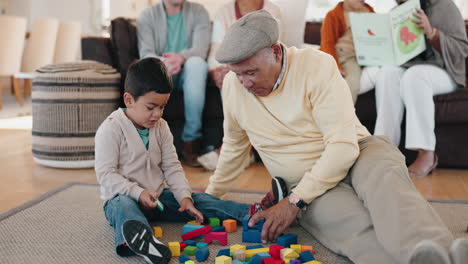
column 187, row 205
column 173, row 62
column 218, row 74
column 277, row 219
column 147, row 199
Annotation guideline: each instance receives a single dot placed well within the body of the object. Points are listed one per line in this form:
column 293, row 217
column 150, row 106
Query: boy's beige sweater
column 306, row 131
column 124, row 166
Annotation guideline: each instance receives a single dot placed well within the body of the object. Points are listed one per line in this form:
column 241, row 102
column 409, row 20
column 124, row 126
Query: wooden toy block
column 306, row 256
column 236, row 247
column 263, row 255
column 275, row 251
column 286, row 240
column 189, row 262
column 158, row 232
column 245, row 222
column 190, row 250
column 202, row 254
column 236, row 261
column 190, row 242
column 214, row 221
column 296, row 248
column 249, row 253
column 183, row 258
column 294, row 261
column 202, row 245
column 285, row 252
column 223, row 260
column 251, row 236
column 196, row 232
column 272, row 261
column 309, row 248
column 230, row 225
column 193, row 222
column 174, row 247
column 221, row 237
column 223, row 252
column 182, row 246
column 218, row 229
column 255, row 260
column 312, row 262
column 238, row 254
column 188, row 228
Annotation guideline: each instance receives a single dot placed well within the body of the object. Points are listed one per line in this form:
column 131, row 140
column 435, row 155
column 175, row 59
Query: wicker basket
column 69, row 102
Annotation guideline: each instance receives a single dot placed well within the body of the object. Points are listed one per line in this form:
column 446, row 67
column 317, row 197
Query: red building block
column 196, row 232
column 272, row 261
column 182, row 246
column 221, row 237
column 275, row 251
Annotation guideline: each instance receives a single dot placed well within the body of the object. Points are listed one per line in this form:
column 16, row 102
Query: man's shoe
column 209, row 161
column 459, row 251
column 428, row 252
column 280, row 190
column 139, row 238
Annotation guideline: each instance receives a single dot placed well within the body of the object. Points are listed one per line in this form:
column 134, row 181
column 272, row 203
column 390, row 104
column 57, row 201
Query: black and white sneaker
column 280, row 190
column 140, row 239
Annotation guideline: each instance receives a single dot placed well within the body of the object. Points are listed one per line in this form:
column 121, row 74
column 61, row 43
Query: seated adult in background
column 295, row 108
column 336, row 39
column 225, row 17
column 178, row 32
column 440, row 69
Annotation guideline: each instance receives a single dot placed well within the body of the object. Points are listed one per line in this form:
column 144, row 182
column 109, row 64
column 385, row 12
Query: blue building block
column 202, row 254
column 306, row 256
column 263, row 255
column 224, row 252
column 252, row 236
column 190, row 242
column 254, row 247
column 287, row 240
column 255, row 259
column 202, row 245
column 219, row 228
column 183, row 258
column 236, row 261
column 188, row 228
column 245, row 222
column 295, row 261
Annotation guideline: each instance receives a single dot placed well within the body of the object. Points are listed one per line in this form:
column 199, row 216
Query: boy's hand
column 147, row 199
column 187, row 205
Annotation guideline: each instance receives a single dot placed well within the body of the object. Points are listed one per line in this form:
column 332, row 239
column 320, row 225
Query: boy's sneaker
column 280, row 190
column 459, row 251
column 428, row 252
column 139, row 238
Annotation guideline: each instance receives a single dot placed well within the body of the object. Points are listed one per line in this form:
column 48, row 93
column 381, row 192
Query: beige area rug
column 67, row 225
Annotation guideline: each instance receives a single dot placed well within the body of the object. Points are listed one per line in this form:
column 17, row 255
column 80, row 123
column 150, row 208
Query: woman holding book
column 439, row 69
column 337, row 40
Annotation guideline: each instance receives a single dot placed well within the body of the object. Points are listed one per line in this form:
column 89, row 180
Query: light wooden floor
column 21, row 179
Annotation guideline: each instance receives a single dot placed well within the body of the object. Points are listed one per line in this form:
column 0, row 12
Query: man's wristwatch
column 296, row 200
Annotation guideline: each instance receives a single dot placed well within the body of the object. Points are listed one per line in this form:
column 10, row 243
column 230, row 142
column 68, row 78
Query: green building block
column 214, row 221
column 190, row 250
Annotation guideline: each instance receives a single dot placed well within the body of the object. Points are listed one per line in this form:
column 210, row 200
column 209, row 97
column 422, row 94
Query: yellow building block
column 189, row 262
column 288, row 253
column 312, row 262
column 305, row 248
column 193, row 222
column 296, row 247
column 236, row 247
column 249, row 253
column 158, row 232
column 174, row 247
column 223, row 260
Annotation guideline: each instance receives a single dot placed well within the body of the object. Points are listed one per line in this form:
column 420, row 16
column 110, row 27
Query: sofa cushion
column 97, row 49
column 124, row 43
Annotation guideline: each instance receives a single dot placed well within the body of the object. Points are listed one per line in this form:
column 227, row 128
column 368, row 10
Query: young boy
column 136, row 159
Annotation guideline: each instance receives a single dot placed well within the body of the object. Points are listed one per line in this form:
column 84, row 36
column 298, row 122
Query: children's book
column 387, row 39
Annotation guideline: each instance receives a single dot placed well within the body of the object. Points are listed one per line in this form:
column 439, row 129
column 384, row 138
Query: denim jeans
column 122, row 208
column 192, row 81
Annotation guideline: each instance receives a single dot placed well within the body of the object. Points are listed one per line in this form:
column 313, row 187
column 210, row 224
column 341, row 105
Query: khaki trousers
column 375, row 215
column 353, row 72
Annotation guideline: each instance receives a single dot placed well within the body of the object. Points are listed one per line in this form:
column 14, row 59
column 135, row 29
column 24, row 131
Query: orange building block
column 230, row 225
column 305, row 248
column 158, row 232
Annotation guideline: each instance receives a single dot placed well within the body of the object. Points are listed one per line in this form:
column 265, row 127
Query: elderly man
column 178, row 32
column 350, row 190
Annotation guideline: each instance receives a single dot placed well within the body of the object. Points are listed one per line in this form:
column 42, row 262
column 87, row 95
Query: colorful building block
column 254, row 247
column 157, row 231
column 251, row 236
column 294, row 261
column 174, row 247
column 313, row 262
column 296, row 247
column 190, row 250
column 309, row 248
column 183, row 258
column 188, row 228
column 190, row 242
column 236, row 261
column 193, row 222
column 218, row 229
column 288, row 253
column 258, row 226
column 286, row 240
column 221, row 237
column 223, row 252
column 197, row 232
column 245, row 222
column 182, row 246
column 202, row 254
column 306, row 256
column 255, row 260
column 275, row 251
column 202, row 245
column 249, row 253
column 214, row 221
column 272, row 261
column 236, row 247
column 238, row 254
column 230, row 225
column 223, row 260
column 189, row 262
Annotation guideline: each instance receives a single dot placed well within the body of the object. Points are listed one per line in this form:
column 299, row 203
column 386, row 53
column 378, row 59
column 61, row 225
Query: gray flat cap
column 248, row 35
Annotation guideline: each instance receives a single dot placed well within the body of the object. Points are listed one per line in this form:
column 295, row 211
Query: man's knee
column 196, row 64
